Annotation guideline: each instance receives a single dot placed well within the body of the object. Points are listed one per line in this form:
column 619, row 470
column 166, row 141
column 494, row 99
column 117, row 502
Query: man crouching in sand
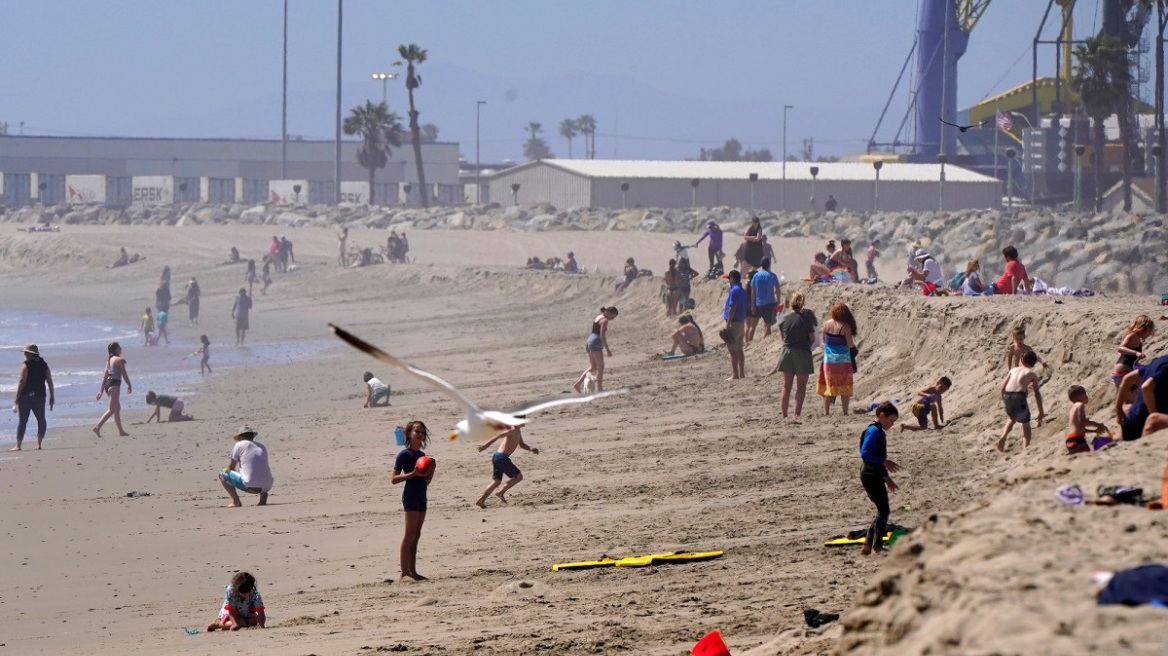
column 248, row 469
column 501, row 464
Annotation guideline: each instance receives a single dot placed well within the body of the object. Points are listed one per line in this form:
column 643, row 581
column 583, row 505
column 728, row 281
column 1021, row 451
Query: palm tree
column 587, row 127
column 379, row 129
column 413, row 55
column 534, row 128
column 568, row 131
column 1101, row 80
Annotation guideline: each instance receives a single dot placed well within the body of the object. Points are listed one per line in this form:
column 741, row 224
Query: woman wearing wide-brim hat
column 35, row 377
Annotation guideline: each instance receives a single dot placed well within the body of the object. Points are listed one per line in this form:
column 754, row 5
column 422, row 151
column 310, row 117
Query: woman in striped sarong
column 835, row 374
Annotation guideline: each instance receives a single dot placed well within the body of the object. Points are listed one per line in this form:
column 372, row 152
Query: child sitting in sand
column 877, row 473
column 160, row 401
column 243, row 607
column 1131, row 346
column 819, row 268
column 501, row 464
column 687, row 337
column 929, row 403
column 1014, row 399
column 376, row 392
column 1078, row 423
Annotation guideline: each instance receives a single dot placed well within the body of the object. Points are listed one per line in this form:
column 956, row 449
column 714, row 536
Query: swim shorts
column 1016, row 406
column 737, row 335
column 767, row 313
column 176, row 410
column 231, row 476
column 501, row 463
column 414, row 498
column 921, row 412
column 1077, row 443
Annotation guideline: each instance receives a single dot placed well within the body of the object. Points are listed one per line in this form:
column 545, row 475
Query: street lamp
column 753, row 179
column 1079, row 150
column 515, row 193
column 1023, row 117
column 783, row 189
column 876, row 189
column 942, row 158
column 1010, row 153
column 478, row 189
column 694, row 183
column 384, row 77
column 1157, row 152
column 624, row 195
column 814, row 175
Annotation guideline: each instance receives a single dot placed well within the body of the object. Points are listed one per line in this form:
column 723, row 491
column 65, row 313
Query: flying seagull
column 963, row 128
column 480, row 425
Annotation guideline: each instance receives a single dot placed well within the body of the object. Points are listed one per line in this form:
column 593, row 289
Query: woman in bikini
column 596, row 346
column 1131, row 347
column 111, row 384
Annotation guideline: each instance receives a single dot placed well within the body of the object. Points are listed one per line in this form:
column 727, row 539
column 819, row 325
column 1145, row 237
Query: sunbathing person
column 819, row 267
column 123, row 259
column 687, row 337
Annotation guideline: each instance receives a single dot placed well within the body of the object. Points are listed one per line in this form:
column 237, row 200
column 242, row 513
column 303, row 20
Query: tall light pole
column 284, row 105
column 1010, row 153
column 753, row 179
column 384, row 77
column 814, row 175
column 783, row 189
column 876, row 189
column 942, row 158
column 478, row 189
column 1079, row 150
column 337, row 149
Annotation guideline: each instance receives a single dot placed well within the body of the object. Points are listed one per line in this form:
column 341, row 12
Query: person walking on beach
column 752, row 243
column 839, row 363
column 35, row 377
column 342, row 241
column 111, row 385
column 501, row 464
column 162, row 294
column 734, row 314
column 764, row 297
column 714, row 248
column 876, row 474
column 193, row 292
column 596, row 346
column 1014, row 398
column 251, row 278
column 870, row 259
column 239, row 312
column 205, row 350
column 797, row 328
column 248, row 469
column 417, row 480
column 149, row 336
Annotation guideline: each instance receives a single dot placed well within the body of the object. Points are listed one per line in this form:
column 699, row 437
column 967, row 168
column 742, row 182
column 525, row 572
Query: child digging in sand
column 172, row 403
column 1014, row 398
column 376, row 392
column 243, row 607
column 501, row 464
column 929, row 403
column 1078, row 423
column 876, row 473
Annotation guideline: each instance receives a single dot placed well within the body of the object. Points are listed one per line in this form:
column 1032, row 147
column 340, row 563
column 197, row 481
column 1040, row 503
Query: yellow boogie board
column 859, row 535
column 640, row 561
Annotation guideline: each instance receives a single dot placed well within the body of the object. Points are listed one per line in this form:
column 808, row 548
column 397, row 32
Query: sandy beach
column 684, row 461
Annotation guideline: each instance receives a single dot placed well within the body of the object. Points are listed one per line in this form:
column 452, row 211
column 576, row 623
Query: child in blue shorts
column 405, row 470
column 501, row 464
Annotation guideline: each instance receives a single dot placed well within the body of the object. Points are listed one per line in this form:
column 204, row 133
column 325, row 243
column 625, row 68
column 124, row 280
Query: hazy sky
column 663, row 78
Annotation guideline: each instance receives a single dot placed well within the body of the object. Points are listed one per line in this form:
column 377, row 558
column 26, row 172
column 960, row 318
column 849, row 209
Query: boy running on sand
column 1018, row 348
column 876, row 473
column 1078, row 423
column 501, row 462
column 929, row 402
column 870, row 260
column 1014, row 398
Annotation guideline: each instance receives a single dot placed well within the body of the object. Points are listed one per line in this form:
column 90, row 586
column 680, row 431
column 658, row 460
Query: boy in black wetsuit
column 875, row 475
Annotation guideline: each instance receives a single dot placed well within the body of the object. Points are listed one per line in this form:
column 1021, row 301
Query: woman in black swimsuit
column 111, row 384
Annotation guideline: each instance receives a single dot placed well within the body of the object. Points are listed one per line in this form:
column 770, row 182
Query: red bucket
column 711, row 645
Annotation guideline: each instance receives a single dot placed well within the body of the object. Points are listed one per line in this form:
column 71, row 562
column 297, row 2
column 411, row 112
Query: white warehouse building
column 568, row 183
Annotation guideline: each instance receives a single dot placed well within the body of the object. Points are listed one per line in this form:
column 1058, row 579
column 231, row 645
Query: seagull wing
column 431, row 379
column 561, row 399
column 948, row 123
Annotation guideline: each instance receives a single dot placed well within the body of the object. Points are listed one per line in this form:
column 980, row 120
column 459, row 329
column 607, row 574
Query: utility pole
column 284, row 105
column 783, row 189
column 337, row 150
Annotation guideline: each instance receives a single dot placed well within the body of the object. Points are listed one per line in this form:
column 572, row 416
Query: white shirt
column 932, row 271
column 253, row 464
column 377, row 387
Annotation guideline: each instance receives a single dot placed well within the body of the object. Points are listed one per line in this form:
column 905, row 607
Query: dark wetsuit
column 873, row 450
column 414, row 494
column 32, row 397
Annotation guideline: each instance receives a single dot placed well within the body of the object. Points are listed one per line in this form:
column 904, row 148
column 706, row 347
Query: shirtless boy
column 501, row 462
column 1018, row 348
column 1078, row 423
column 1014, row 398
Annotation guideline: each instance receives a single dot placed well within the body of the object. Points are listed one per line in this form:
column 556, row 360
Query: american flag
column 1004, row 122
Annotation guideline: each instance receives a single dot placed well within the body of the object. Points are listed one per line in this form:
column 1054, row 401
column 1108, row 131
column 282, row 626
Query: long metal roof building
column 632, row 183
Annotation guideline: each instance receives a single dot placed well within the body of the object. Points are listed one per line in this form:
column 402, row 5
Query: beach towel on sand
column 1140, row 585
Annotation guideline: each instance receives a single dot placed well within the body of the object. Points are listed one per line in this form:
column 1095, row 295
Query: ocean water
column 75, row 349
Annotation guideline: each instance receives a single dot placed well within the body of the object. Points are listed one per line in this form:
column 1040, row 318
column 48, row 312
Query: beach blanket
column 835, row 374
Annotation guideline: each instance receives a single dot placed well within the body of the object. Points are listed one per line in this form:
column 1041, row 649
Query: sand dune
column 685, row 461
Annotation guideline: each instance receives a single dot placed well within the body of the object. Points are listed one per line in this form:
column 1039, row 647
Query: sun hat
column 246, row 430
column 32, row 348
